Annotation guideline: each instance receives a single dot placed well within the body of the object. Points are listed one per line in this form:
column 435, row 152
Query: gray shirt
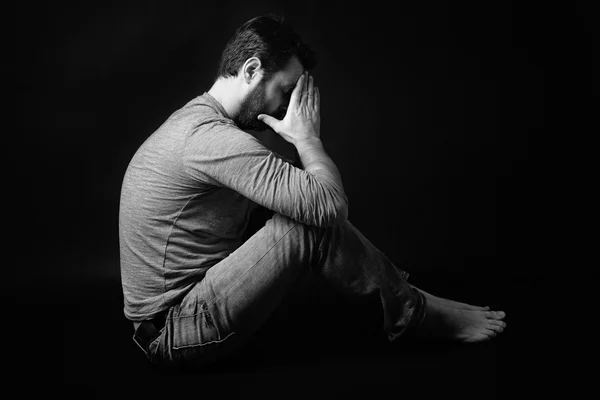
column 186, row 199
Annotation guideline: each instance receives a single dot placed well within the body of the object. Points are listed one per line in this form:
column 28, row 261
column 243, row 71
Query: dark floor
column 81, row 347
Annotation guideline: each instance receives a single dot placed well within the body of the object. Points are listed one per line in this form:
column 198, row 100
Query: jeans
column 238, row 294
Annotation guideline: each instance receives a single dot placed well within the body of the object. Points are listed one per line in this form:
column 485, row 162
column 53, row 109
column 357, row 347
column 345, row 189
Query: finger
column 296, row 97
column 317, row 99
column 310, row 92
column 306, row 79
column 267, row 119
column 305, row 88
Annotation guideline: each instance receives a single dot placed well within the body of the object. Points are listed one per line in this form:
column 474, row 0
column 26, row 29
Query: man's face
column 271, row 98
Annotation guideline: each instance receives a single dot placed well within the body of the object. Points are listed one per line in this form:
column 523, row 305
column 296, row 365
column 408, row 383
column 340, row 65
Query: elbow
column 329, row 206
column 335, row 214
column 341, row 207
column 341, row 213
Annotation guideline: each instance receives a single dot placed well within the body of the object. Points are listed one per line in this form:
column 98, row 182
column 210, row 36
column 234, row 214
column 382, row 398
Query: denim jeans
column 239, row 293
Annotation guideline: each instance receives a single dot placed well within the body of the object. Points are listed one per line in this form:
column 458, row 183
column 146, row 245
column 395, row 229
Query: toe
column 495, row 328
column 495, row 314
column 490, row 333
column 497, row 322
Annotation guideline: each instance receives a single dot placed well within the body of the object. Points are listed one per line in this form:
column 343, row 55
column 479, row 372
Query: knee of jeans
column 318, row 236
column 318, row 232
column 282, row 219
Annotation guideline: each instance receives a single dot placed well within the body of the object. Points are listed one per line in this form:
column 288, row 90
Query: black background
column 428, row 110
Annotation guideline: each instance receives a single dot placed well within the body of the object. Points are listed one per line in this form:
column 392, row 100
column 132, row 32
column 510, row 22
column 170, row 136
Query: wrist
column 310, row 141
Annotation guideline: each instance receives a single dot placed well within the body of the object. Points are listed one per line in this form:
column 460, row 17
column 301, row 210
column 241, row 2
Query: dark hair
column 271, row 40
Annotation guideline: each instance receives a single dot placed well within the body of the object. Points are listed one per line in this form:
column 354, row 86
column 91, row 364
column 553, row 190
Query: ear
column 252, row 70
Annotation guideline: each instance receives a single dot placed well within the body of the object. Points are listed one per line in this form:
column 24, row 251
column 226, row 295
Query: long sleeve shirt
column 186, row 198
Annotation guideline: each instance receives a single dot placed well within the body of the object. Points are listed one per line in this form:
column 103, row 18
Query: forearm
column 314, row 158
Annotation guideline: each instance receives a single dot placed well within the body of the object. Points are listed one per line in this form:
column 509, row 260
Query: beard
column 252, row 106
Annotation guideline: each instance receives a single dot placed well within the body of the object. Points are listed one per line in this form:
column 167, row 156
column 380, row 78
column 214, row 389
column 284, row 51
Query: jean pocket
column 193, row 325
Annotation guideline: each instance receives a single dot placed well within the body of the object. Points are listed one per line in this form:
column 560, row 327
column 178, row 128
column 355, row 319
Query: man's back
column 174, row 225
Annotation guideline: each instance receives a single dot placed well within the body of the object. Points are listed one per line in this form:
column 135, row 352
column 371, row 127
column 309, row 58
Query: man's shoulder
column 199, row 115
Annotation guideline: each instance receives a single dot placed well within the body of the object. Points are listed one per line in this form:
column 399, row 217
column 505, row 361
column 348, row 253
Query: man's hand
column 302, row 120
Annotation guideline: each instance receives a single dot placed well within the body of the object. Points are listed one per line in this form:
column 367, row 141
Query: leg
column 238, row 294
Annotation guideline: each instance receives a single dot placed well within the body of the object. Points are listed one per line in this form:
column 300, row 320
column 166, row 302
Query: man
column 194, row 290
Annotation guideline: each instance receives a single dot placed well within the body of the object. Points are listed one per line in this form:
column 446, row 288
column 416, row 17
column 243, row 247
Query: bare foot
column 444, row 321
column 450, row 303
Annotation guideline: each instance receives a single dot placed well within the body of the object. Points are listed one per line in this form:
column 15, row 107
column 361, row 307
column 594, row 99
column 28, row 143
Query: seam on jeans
column 402, row 275
column 259, row 260
column 203, row 344
column 374, row 270
column 167, row 245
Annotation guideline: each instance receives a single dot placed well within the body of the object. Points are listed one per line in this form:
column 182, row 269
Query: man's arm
column 301, row 126
column 223, row 155
column 308, row 155
column 317, row 162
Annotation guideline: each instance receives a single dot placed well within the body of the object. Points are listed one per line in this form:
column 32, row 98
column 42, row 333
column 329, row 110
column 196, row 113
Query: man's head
column 259, row 69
